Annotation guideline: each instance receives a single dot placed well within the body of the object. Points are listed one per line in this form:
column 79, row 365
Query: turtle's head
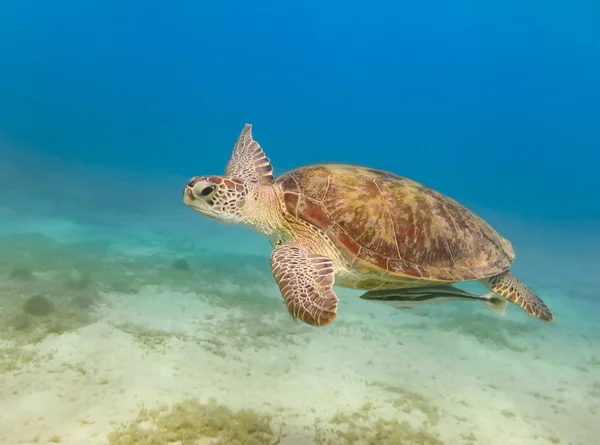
column 216, row 197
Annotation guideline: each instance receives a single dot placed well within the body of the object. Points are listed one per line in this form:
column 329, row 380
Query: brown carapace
column 385, row 222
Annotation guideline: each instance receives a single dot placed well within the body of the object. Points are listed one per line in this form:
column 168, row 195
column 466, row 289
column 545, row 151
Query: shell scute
column 374, row 259
column 348, row 244
column 404, row 268
column 355, row 203
column 313, row 212
column 291, row 202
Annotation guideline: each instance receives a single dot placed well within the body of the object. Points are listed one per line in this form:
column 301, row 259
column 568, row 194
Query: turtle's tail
column 507, row 286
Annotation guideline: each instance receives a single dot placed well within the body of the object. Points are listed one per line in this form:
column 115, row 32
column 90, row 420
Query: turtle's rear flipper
column 507, row 286
column 419, row 296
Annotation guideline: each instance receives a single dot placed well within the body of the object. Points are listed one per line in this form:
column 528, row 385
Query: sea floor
column 138, row 338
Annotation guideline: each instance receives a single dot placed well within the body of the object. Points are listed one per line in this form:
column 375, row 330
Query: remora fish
column 411, row 298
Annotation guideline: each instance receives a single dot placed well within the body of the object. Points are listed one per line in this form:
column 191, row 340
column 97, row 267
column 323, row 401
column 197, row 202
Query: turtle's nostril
column 192, row 183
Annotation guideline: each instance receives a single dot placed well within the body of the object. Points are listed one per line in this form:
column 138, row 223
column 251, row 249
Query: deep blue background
column 495, row 103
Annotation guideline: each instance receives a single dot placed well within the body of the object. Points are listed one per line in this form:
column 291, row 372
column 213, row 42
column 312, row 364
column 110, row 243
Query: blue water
column 107, row 109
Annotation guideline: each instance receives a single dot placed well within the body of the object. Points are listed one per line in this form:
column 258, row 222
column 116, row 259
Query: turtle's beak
column 188, row 195
column 192, row 201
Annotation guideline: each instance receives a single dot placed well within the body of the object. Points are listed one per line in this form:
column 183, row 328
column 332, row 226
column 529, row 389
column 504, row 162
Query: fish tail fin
column 495, row 304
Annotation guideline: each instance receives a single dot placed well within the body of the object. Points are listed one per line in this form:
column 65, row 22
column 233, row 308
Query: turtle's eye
column 208, row 190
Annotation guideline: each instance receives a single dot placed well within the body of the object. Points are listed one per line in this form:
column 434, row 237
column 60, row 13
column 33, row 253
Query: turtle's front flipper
column 507, row 286
column 305, row 281
column 410, row 298
column 248, row 160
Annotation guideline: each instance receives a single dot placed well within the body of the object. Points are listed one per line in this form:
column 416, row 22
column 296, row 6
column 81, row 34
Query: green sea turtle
column 359, row 228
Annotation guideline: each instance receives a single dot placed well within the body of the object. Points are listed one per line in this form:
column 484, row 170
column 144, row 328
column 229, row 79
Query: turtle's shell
column 382, row 223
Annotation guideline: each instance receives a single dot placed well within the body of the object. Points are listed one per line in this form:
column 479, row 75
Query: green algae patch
column 409, row 402
column 360, row 428
column 190, row 423
column 365, row 427
column 385, row 432
column 15, row 359
column 19, row 359
column 150, row 337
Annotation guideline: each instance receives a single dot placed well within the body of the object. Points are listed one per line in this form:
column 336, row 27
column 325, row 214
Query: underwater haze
column 126, row 318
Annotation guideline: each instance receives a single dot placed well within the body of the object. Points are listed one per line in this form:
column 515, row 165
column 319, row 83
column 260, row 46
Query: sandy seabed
column 139, row 347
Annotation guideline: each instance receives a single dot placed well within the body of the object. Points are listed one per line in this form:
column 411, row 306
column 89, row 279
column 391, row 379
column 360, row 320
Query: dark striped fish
column 411, row 298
